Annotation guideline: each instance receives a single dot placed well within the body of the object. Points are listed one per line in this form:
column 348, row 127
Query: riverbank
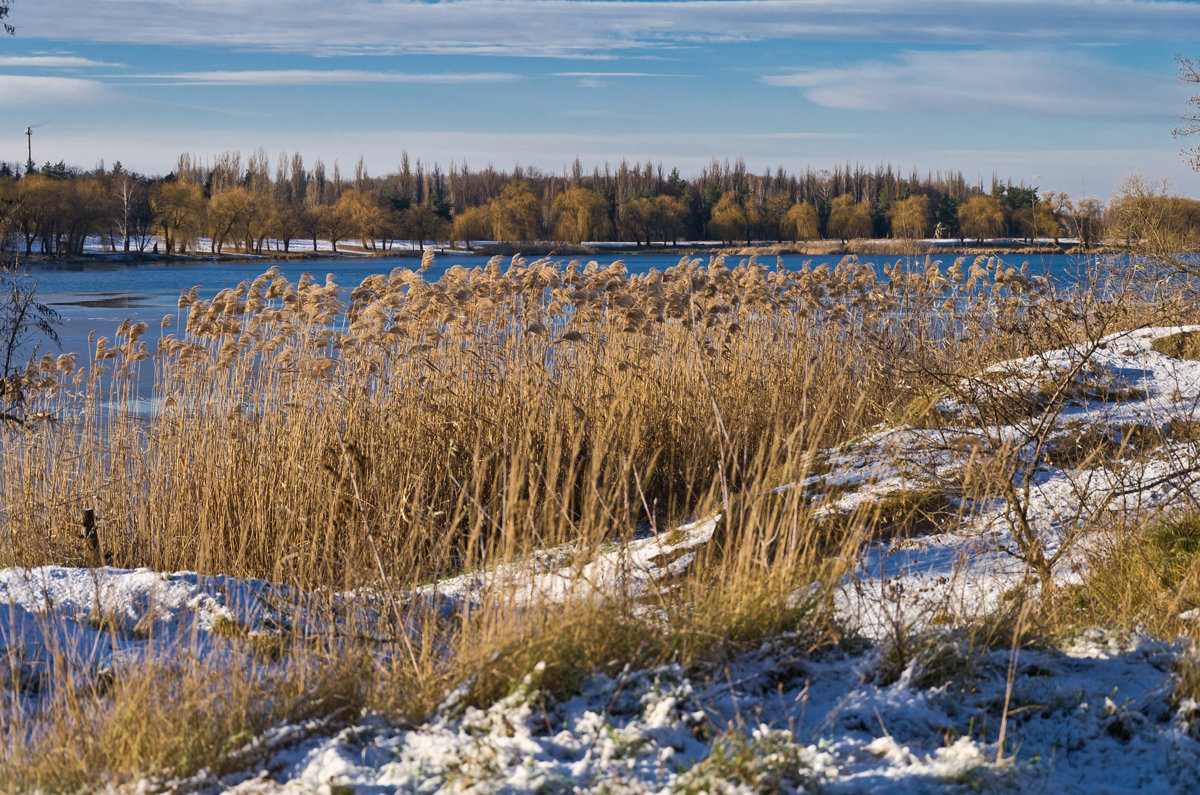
column 92, row 257
column 818, row 248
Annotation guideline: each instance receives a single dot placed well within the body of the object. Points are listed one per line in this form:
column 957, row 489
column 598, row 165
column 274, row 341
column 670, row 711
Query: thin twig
column 1008, row 686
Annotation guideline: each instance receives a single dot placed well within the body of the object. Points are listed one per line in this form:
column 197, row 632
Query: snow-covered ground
column 873, row 715
column 1124, row 394
column 1096, row 719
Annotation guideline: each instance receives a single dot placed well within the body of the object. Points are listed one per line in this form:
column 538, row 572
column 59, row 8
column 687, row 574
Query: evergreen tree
column 945, row 218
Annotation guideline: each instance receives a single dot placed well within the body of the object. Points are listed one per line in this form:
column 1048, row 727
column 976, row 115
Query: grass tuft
column 1183, row 345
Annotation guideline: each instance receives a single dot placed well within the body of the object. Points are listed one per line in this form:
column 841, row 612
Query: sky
column 1069, row 95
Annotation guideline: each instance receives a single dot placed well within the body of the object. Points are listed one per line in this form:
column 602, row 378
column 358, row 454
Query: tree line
column 250, row 204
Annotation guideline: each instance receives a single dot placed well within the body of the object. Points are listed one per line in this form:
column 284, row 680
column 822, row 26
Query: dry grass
column 172, row 718
column 472, row 418
column 416, row 430
column 824, row 248
column 1183, row 345
column 189, row 714
column 1148, row 578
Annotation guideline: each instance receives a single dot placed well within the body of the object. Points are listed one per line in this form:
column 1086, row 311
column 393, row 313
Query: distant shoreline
column 820, row 248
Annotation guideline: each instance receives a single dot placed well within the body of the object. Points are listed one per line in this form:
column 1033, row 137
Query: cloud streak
column 55, row 62
column 314, row 77
column 616, row 74
column 986, row 81
column 563, row 27
column 30, row 90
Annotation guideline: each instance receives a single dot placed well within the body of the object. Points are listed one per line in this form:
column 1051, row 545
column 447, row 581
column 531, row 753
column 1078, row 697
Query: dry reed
column 410, row 430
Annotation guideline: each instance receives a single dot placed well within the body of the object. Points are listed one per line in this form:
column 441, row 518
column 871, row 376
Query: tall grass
column 412, row 430
column 470, row 418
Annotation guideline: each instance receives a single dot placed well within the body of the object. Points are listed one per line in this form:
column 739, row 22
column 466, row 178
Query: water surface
column 96, row 296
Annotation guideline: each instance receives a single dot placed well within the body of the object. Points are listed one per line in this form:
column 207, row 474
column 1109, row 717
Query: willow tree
column 730, row 219
column 516, row 214
column 670, row 215
column 636, row 218
column 365, row 214
column 179, row 208
column 848, row 219
column 473, row 223
column 910, row 217
column 580, row 214
column 982, row 217
column 800, row 222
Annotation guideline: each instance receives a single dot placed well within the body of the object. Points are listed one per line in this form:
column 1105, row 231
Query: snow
column 967, row 571
column 555, row 576
column 1097, row 714
column 91, row 620
column 1092, row 719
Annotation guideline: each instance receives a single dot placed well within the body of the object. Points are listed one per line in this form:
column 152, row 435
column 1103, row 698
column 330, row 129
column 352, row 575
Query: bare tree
column 1159, row 227
column 1189, row 72
column 24, row 323
column 131, row 213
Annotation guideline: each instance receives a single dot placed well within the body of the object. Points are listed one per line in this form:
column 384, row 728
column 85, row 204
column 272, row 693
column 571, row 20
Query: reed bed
column 496, row 410
column 404, row 431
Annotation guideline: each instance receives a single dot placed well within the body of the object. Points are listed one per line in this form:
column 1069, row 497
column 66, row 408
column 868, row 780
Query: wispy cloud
column 615, row 74
column 986, row 81
column 55, row 62
column 602, row 79
column 561, row 27
column 316, row 77
column 31, row 90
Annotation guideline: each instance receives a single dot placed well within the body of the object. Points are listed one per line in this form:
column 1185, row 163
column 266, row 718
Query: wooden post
column 92, row 537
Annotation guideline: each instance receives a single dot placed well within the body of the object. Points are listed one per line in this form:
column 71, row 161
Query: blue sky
column 1078, row 93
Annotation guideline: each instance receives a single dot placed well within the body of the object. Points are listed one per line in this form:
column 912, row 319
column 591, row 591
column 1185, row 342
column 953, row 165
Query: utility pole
column 1033, row 219
column 29, row 150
